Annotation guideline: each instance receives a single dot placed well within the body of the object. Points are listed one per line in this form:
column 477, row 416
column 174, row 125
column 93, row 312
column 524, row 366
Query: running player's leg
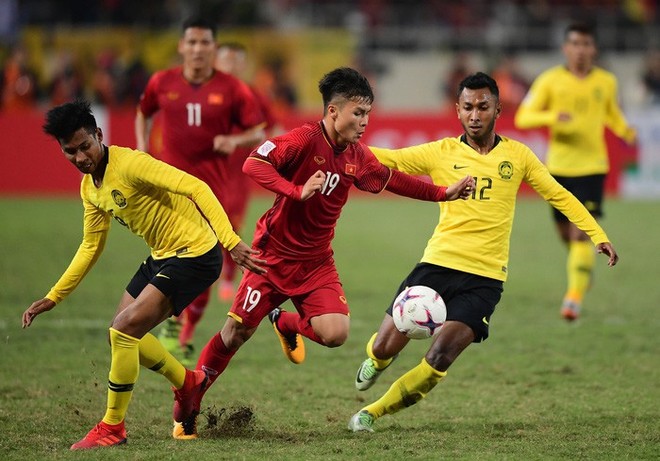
column 255, row 297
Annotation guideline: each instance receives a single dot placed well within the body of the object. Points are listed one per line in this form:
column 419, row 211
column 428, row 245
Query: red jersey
column 236, row 204
column 193, row 115
column 304, row 230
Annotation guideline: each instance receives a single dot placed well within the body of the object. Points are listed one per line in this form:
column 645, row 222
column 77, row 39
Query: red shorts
column 313, row 287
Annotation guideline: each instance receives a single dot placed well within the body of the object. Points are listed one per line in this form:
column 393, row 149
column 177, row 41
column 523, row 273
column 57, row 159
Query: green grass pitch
column 537, row 389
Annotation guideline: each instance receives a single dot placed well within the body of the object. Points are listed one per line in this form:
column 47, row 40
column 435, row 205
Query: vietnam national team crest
column 119, row 198
column 505, row 169
column 351, row 169
column 215, row 99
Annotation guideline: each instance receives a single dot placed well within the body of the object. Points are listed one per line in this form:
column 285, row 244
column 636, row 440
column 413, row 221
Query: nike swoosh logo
column 459, row 167
column 162, row 275
column 484, row 320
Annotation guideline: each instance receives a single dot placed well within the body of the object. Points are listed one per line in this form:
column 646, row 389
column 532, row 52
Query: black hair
column 64, row 120
column 581, row 28
column 347, row 83
column 234, row 46
column 478, row 81
column 198, row 23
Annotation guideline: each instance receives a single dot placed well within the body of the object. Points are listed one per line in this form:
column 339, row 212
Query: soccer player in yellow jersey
column 466, row 259
column 576, row 102
column 184, row 225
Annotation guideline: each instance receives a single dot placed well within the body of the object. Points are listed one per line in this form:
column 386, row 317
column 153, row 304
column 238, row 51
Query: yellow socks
column 155, row 357
column 124, row 370
column 579, row 266
column 407, row 390
column 378, row 363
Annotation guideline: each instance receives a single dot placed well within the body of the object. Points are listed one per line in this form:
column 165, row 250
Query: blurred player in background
column 311, row 169
column 576, row 101
column 184, row 225
column 231, row 58
column 466, row 259
column 206, row 116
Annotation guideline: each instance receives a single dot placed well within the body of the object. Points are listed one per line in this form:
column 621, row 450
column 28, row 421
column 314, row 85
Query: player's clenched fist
column 461, row 189
column 313, row 184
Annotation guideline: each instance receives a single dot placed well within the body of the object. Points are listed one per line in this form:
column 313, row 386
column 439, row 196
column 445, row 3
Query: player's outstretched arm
column 244, row 257
column 608, row 249
column 461, row 189
column 36, row 308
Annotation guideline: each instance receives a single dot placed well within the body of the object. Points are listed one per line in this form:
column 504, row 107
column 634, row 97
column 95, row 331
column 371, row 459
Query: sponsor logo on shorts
column 162, row 275
column 485, row 320
column 343, row 299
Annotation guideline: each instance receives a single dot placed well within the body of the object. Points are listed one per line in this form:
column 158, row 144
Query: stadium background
column 539, row 389
column 105, row 50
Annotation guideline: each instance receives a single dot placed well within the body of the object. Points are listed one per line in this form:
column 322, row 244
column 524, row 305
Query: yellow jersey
column 473, row 236
column 175, row 213
column 577, row 146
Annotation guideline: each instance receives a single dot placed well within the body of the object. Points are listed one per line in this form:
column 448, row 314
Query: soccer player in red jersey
column 232, row 58
column 206, row 116
column 311, row 169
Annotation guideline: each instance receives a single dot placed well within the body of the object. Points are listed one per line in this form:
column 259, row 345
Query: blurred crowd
column 519, row 24
column 111, row 80
column 117, row 83
column 502, row 28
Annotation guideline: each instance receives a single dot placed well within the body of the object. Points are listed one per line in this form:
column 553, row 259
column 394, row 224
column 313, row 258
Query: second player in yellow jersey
column 577, row 102
column 466, row 259
column 481, row 246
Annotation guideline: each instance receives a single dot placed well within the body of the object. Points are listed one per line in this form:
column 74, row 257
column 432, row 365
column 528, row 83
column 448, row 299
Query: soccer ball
column 419, row 312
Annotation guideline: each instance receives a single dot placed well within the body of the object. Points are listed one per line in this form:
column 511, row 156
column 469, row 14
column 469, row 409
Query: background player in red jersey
column 311, row 169
column 206, row 116
column 231, row 58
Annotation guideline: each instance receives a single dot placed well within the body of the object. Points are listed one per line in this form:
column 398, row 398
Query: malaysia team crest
column 505, row 169
column 119, row 198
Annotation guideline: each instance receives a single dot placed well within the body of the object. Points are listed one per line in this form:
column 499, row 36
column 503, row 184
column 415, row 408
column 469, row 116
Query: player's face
column 230, row 61
column 579, row 50
column 84, row 150
column 350, row 118
column 477, row 110
column 197, row 48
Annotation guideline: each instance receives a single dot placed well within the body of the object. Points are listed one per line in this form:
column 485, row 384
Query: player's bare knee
column 334, row 338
